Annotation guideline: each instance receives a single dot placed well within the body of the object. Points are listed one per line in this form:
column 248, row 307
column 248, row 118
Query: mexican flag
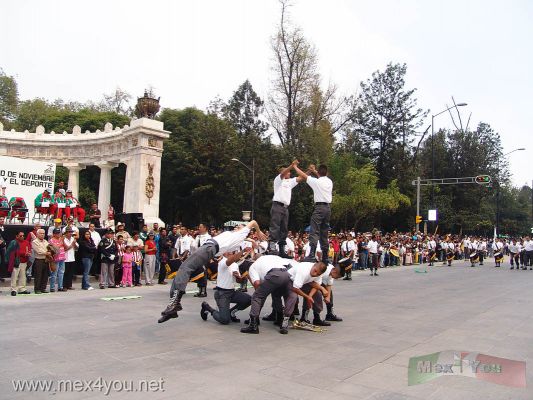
column 475, row 365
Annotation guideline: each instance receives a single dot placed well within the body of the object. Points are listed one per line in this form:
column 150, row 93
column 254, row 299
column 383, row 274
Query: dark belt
column 280, row 204
column 277, row 269
column 224, row 290
column 321, row 203
column 211, row 241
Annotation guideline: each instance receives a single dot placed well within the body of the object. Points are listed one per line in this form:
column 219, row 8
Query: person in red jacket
column 17, row 254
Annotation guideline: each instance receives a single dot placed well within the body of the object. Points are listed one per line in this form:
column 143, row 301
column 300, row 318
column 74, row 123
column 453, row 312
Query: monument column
column 74, row 178
column 104, row 190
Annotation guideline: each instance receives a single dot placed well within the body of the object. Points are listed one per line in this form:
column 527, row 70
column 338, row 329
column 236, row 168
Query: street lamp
column 433, row 146
column 498, row 190
column 252, row 170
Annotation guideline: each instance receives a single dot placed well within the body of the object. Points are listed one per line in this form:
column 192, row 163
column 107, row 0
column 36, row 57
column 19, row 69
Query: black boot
column 252, row 326
column 312, row 255
column 206, row 309
column 173, row 307
column 270, row 317
column 319, row 322
column 284, row 326
column 202, row 292
column 233, row 316
column 271, row 249
column 282, row 252
column 305, row 316
column 247, row 321
column 348, row 276
column 330, row 315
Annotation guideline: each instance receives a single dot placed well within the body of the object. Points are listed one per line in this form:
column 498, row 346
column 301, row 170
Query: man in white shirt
column 449, row 249
column 225, row 242
column 498, row 252
column 481, row 249
column 269, row 275
column 201, row 237
column 279, row 212
column 432, row 246
column 225, row 293
column 95, row 236
column 349, row 250
column 514, row 253
column 528, row 247
column 325, row 281
column 373, row 256
column 322, row 194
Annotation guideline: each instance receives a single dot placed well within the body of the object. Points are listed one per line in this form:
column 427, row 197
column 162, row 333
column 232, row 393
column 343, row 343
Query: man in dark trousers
column 322, row 193
column 225, row 293
column 270, row 276
column 225, row 242
column 279, row 212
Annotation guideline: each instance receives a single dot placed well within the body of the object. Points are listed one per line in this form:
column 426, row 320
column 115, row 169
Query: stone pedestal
column 143, row 173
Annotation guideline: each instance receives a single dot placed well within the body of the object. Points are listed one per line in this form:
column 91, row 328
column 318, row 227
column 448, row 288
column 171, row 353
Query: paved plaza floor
column 387, row 319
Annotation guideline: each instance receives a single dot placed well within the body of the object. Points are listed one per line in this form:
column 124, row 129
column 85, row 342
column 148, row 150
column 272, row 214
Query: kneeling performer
column 225, row 293
column 223, row 243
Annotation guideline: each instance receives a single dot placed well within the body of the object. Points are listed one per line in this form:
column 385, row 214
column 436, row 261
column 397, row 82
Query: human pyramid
column 273, row 273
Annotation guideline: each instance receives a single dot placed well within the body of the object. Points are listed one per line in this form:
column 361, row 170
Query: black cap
column 56, row 230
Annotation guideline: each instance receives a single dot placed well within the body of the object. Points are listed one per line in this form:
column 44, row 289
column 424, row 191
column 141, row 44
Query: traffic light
column 483, row 179
column 419, row 219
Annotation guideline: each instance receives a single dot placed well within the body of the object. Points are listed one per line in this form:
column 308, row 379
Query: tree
column 358, row 201
column 8, row 98
column 244, row 110
column 297, row 105
column 118, row 102
column 384, row 119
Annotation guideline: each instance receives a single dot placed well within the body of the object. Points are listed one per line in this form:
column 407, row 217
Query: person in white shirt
column 432, row 246
column 95, row 236
column 326, row 281
column 481, row 249
column 349, row 249
column 449, row 249
column 322, row 194
column 279, row 212
column 202, row 236
column 183, row 244
column 223, row 243
column 269, row 275
column 474, row 254
column 514, row 257
column 498, row 252
column 373, row 255
column 225, row 293
column 528, row 256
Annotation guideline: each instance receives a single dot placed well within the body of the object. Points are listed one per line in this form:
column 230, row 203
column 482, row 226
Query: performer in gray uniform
column 322, row 193
column 279, row 213
column 223, row 243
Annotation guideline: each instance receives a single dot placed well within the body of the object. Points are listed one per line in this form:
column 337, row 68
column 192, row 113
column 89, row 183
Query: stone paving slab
column 387, row 320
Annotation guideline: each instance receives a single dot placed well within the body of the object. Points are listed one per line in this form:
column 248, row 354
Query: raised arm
column 254, row 225
column 300, row 173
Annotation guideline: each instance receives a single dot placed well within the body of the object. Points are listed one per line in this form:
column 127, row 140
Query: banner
column 26, row 178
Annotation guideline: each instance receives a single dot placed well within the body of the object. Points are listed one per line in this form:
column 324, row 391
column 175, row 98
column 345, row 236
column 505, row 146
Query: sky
column 190, row 52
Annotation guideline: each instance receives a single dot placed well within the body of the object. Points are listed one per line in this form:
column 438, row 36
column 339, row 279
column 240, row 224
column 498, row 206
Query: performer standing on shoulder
column 323, row 194
column 279, row 213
